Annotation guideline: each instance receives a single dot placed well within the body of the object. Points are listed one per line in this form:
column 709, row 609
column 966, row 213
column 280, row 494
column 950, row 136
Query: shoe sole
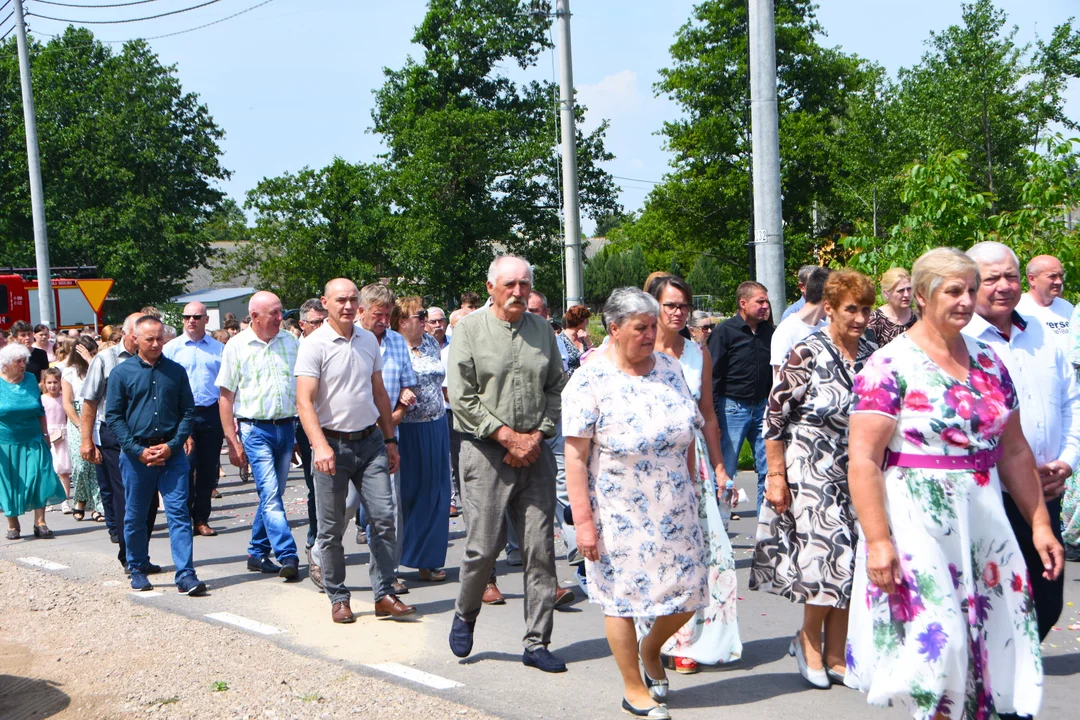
column 197, row 591
column 392, row 616
column 566, row 599
column 500, row 601
column 346, row 621
column 288, row 573
column 142, row 589
column 534, row 665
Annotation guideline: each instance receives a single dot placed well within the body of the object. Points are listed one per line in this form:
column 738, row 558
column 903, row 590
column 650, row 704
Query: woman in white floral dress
column 942, row 618
column 711, row 637
column 630, row 424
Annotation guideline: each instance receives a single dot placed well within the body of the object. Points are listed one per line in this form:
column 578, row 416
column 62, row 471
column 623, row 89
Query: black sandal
column 97, row 517
column 14, row 534
column 78, row 514
column 43, row 531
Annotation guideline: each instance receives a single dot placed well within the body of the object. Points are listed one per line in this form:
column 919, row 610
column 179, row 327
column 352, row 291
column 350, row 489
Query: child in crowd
column 56, row 421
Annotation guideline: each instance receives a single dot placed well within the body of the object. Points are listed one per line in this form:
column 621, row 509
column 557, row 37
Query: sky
column 291, row 81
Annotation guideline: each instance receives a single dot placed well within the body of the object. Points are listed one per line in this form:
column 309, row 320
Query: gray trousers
column 353, row 503
column 491, row 489
column 362, row 465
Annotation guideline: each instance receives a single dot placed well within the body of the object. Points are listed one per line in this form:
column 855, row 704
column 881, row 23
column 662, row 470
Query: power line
column 651, row 182
column 132, row 20
column 116, row 5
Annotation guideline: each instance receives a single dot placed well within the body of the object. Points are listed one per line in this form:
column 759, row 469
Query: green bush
column 746, row 457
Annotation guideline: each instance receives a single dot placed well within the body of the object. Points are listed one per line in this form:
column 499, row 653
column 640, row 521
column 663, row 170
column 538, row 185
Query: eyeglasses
column 314, row 323
column 676, row 307
column 193, row 317
column 420, row 315
column 437, row 321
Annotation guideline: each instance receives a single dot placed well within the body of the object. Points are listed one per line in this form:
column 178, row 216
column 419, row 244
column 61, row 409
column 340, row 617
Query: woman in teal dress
column 27, row 478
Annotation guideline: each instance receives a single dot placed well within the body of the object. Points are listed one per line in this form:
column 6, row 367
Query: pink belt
column 980, row 461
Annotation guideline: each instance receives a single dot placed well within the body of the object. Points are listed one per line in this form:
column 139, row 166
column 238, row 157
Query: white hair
column 989, row 251
column 626, row 302
column 493, row 268
column 11, row 353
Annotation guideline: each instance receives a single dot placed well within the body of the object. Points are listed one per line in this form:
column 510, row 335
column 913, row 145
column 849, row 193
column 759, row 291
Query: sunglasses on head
column 193, row 317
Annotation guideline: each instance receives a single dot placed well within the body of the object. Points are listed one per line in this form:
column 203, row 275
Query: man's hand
column 189, row 445
column 1053, row 475
column 89, row 452
column 237, row 456
column 512, row 461
column 323, row 459
column 393, row 459
column 524, row 447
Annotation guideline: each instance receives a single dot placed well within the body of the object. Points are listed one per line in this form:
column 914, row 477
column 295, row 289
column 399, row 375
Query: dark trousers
column 1049, row 595
column 304, row 445
column 111, row 483
column 205, row 461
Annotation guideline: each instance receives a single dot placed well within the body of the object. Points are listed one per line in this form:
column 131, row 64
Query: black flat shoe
column 263, row 565
column 656, row 712
column 43, row 531
column 14, row 534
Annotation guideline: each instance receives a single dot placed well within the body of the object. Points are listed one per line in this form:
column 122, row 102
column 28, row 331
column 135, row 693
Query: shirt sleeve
column 789, row 391
column 553, row 387
column 308, row 361
column 116, row 407
column 229, row 374
column 876, row 388
column 186, row 412
column 464, row 388
column 778, row 348
column 1070, row 413
column 93, row 387
column 408, row 375
column 580, row 408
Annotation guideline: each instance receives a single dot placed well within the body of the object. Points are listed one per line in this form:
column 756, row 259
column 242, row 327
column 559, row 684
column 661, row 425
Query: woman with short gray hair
column 27, row 478
column 630, row 424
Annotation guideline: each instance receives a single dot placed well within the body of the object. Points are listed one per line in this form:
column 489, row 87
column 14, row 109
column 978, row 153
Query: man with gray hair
column 1049, row 399
column 436, row 325
column 1043, row 301
column 101, row 447
column 312, row 317
column 505, row 381
column 804, row 278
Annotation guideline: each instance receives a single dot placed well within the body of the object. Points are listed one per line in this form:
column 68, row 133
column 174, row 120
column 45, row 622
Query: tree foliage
column 129, row 165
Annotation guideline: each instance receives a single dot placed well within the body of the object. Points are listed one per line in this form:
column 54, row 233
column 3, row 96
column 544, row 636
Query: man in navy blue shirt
column 149, row 408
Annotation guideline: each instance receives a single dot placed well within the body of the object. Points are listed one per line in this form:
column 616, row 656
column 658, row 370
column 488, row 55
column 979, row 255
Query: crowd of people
column 917, row 464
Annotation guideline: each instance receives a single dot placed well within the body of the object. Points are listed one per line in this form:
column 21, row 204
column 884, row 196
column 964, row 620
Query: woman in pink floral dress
column 942, row 618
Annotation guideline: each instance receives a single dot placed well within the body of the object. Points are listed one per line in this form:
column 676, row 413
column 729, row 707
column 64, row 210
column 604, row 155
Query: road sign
column 95, row 291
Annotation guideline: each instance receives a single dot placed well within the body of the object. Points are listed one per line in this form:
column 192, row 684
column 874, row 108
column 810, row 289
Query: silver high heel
column 817, row 678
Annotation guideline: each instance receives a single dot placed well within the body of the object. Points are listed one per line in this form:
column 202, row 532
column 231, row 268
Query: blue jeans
column 141, row 486
column 741, row 421
column 269, row 449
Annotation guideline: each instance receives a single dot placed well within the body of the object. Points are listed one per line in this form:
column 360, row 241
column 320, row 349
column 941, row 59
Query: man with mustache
column 1049, row 399
column 1043, row 301
column 505, row 378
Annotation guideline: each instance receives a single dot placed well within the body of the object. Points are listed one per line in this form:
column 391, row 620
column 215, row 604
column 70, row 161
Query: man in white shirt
column 802, row 323
column 804, row 277
column 1049, row 398
column 1043, row 301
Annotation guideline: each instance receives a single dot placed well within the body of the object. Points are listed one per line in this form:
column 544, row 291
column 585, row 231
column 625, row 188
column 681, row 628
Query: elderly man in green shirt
column 505, row 377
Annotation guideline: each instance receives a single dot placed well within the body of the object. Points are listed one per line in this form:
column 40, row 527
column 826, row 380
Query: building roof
column 213, row 296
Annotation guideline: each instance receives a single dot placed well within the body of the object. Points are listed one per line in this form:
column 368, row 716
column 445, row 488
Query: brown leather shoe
column 399, row 587
column 314, row 571
column 342, row 613
column 563, row 596
column 391, row 606
column 492, row 596
column 205, row 530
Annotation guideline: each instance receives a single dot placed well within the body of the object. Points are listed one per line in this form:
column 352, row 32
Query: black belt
column 279, row 421
column 151, row 441
column 206, row 408
column 358, row 435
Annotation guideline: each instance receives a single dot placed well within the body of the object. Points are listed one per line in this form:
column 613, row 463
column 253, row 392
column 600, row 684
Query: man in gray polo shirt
column 345, row 412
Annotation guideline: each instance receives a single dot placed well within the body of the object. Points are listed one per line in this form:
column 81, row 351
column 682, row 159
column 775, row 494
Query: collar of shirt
column 979, row 328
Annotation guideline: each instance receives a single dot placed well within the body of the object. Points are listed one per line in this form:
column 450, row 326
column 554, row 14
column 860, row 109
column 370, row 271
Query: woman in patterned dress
column 942, row 617
column 630, row 423
column 806, row 532
column 890, row 320
column 84, row 486
column 711, row 636
column 425, row 447
column 575, row 336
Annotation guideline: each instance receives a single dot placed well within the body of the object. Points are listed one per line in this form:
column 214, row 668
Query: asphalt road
column 765, row 684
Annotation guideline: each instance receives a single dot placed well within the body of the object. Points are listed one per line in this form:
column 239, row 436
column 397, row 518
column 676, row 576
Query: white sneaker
column 65, row 508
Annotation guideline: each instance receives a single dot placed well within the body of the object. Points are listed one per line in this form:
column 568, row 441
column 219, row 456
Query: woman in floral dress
column 806, row 531
column 942, row 618
column 711, row 637
column 85, row 492
column 630, row 424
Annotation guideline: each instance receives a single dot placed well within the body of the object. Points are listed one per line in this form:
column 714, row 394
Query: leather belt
column 358, row 435
column 151, row 441
column 980, row 461
column 279, row 421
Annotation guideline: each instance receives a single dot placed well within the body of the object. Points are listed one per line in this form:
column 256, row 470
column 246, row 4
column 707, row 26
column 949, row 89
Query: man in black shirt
column 742, row 378
column 22, row 332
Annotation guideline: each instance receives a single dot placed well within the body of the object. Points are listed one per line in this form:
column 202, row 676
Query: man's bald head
column 195, row 319
column 1046, row 278
column 339, row 285
column 341, row 298
column 127, row 336
column 262, row 301
column 265, row 310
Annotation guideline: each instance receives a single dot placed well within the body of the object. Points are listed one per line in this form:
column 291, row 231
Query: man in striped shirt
column 258, row 415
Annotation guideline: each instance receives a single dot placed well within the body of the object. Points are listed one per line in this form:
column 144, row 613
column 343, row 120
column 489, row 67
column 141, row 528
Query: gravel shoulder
column 79, row 650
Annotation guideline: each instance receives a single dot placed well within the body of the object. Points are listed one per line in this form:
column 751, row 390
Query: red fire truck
column 78, row 298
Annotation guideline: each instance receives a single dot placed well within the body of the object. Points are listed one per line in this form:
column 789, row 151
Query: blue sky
column 291, row 82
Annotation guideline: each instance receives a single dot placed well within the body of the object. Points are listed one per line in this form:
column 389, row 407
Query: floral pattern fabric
column 650, row 544
column 959, row 636
column 84, row 485
column 427, row 364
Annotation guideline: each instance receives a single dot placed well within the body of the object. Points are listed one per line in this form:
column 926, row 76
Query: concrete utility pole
column 575, row 290
column 33, row 161
column 764, row 123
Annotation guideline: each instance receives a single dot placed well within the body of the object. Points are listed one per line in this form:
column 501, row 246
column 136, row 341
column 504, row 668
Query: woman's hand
column 84, row 353
column 1050, row 550
column 883, row 566
column 777, row 493
column 587, row 539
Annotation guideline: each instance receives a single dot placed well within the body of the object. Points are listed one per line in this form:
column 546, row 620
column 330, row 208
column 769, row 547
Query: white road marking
column 414, row 675
column 243, row 622
column 112, row 583
column 146, row 593
column 42, row 563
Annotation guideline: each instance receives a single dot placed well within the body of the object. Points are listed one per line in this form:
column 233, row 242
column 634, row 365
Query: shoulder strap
column 839, row 361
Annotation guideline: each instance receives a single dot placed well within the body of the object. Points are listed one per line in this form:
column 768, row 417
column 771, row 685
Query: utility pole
column 33, row 161
column 764, row 121
column 575, row 291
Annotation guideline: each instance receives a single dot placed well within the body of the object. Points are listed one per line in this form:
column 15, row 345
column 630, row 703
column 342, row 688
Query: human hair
column 542, row 296
column 660, row 283
column 816, row 284
column 290, row 324
column 847, row 283
column 893, row 277
column 653, row 277
column 13, row 352
column 64, row 346
column 748, row 288
column 1037, row 264
column 469, row 298
column 697, row 317
column 247, row 319
column 21, row 326
column 130, row 322
column 405, row 307
column 989, row 251
column 624, row 303
column 804, row 274
column 39, row 327
column 75, row 360
column 48, row 373
column 576, row 316
column 222, row 336
column 493, row 268
column 151, row 310
column 376, row 294
column 934, row 266
column 147, row 320
column 108, row 332
column 233, row 324
column 309, row 305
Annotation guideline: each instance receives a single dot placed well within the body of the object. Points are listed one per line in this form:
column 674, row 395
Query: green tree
column 129, row 165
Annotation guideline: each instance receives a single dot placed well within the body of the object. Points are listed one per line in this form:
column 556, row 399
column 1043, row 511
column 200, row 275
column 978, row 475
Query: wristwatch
column 389, row 440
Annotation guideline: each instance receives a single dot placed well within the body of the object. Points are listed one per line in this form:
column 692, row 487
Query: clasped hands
column 155, row 455
column 522, row 449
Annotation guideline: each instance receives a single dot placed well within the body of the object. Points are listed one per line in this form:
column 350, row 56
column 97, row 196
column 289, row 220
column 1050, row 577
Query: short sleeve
column 580, row 409
column 877, row 388
column 1007, row 388
column 308, row 360
column 789, row 391
column 229, row 375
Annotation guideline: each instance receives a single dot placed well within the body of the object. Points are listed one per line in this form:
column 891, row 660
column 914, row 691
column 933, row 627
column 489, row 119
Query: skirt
column 425, row 493
column 27, row 478
column 61, row 457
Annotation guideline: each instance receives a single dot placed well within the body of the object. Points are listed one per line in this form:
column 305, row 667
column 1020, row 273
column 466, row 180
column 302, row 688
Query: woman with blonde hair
column 894, row 317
